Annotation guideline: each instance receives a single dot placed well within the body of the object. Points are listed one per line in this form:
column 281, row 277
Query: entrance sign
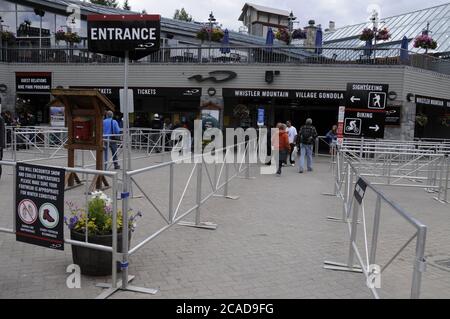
column 116, row 34
column 40, row 206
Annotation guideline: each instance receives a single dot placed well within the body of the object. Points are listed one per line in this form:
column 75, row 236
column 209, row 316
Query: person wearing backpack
column 306, row 138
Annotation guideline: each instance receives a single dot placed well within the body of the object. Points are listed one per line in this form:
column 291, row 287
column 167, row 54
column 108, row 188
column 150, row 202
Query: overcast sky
column 343, row 12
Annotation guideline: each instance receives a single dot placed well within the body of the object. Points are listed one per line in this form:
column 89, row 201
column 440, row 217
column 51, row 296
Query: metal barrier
column 174, row 214
column 353, row 203
column 212, row 54
column 111, row 249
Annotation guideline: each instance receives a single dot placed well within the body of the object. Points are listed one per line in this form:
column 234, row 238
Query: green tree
column 126, row 6
column 108, row 3
column 182, row 15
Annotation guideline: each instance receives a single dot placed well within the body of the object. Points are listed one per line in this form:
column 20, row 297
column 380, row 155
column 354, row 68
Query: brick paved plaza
column 271, row 243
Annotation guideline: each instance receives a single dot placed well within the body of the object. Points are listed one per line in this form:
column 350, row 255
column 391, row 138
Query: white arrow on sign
column 354, row 99
column 376, row 128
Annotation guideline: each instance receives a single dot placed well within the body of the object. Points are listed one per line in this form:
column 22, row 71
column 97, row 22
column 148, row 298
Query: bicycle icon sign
column 353, row 126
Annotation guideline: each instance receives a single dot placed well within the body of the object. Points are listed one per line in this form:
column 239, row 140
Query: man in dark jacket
column 306, row 139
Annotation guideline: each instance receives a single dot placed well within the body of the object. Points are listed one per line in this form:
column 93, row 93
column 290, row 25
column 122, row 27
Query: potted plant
column 8, row 37
column 283, row 35
column 298, row 34
column 424, row 41
column 383, row 35
column 216, row 34
column 99, row 225
column 68, row 37
column 60, row 35
column 367, row 35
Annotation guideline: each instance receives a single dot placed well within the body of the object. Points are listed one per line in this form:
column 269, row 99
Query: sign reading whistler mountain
column 116, row 34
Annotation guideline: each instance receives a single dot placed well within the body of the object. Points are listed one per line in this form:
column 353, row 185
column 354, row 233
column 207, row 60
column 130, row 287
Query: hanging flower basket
column 367, row 35
column 299, row 34
column 422, row 120
column 8, row 37
column 241, row 112
column 424, row 41
column 283, row 35
column 69, row 37
column 383, row 35
column 216, row 35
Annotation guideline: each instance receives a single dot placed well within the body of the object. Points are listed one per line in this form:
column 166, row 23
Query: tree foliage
column 108, row 3
column 182, row 15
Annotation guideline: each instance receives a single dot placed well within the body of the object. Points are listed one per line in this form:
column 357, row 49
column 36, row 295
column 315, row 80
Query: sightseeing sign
column 365, row 113
column 116, row 34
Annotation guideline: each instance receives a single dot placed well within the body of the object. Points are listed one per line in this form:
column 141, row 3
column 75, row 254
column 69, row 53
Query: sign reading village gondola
column 116, row 34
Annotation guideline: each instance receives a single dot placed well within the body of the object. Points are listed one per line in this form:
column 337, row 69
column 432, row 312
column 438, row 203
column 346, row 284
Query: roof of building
column 263, row 9
column 408, row 24
column 167, row 25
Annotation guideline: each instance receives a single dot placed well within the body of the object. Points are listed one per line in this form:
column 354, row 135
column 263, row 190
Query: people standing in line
column 281, row 146
column 306, row 139
column 110, row 130
column 292, row 134
column 332, row 139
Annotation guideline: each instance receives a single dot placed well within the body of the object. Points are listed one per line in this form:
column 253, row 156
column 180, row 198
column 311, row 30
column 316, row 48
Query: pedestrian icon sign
column 353, row 126
column 377, row 100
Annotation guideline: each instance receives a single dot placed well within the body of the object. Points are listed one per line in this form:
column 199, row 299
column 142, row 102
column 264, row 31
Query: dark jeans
column 113, row 148
column 282, row 158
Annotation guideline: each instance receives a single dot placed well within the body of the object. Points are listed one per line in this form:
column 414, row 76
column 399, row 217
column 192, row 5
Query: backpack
column 307, row 135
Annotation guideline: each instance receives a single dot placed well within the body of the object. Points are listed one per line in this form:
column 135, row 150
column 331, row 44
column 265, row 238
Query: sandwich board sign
column 116, row 34
column 40, row 206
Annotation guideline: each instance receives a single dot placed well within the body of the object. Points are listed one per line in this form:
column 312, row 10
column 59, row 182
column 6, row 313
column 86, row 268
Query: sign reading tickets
column 116, row 34
column 40, row 206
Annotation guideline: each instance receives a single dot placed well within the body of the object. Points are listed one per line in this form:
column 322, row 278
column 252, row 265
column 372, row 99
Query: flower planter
column 95, row 262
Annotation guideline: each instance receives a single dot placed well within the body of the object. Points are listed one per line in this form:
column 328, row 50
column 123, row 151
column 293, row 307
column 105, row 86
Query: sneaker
column 301, row 171
column 310, row 169
column 293, row 164
column 116, row 167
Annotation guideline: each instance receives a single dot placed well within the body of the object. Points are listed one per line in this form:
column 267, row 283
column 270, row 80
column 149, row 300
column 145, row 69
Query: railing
column 233, row 55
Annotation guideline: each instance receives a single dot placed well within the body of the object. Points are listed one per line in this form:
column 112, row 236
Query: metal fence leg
column 420, row 263
column 198, row 223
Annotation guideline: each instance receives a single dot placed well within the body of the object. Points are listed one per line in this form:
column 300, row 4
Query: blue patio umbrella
column 319, row 41
column 225, row 43
column 368, row 48
column 404, row 54
column 270, row 37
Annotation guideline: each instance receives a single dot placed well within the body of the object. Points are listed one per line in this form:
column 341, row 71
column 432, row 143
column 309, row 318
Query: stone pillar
column 310, row 41
column 408, row 123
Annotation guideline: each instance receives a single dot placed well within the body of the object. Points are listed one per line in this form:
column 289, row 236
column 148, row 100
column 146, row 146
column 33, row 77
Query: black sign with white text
column 393, row 115
column 40, row 206
column 141, row 92
column 367, row 95
column 432, row 101
column 116, row 34
column 33, row 82
column 362, row 123
column 360, row 190
column 305, row 97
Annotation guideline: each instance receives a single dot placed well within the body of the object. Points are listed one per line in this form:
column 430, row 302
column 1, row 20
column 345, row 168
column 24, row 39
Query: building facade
column 278, row 84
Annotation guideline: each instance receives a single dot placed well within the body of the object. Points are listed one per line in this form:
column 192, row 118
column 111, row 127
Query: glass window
column 9, row 21
column 7, row 6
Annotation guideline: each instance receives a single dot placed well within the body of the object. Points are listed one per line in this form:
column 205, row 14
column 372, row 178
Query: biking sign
column 364, row 123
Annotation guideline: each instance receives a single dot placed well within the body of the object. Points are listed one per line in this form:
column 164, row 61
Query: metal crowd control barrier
column 111, row 249
column 351, row 209
column 174, row 213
